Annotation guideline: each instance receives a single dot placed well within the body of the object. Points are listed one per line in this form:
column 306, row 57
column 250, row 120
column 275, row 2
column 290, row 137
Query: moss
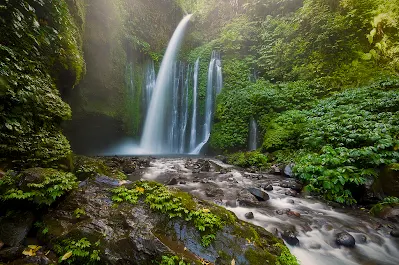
column 259, row 257
column 88, row 167
column 186, row 199
column 285, row 258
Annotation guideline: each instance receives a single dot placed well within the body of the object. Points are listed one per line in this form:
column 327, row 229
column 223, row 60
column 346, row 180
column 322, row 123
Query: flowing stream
column 315, row 228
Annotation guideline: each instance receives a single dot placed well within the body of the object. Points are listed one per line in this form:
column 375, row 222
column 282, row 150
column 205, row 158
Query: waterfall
column 219, row 76
column 184, row 107
column 150, row 79
column 153, row 138
column 253, row 135
column 215, row 64
column 193, row 133
column 129, row 79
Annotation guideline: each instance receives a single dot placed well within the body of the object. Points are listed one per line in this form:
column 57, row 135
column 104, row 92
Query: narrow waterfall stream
column 253, row 135
column 193, row 132
column 312, row 222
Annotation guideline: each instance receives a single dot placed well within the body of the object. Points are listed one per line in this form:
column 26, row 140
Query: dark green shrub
column 38, row 185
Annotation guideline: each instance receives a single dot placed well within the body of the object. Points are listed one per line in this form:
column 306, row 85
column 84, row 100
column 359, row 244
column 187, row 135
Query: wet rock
column 395, row 233
column 288, row 170
column 345, row 239
column 196, row 170
column 223, row 170
column 296, row 187
column 182, row 182
column 203, row 164
column 39, row 259
column 144, row 162
column 268, row 187
column 135, row 234
column 252, row 169
column 386, row 212
column 189, row 164
column 129, row 167
column 362, row 239
column 291, row 201
column 173, row 181
column 231, row 203
column 1, row 244
column 222, row 158
column 275, row 169
column 109, row 181
column 283, row 211
column 249, row 215
column 214, row 192
column 290, row 238
column 245, row 198
column 11, row 253
column 293, row 213
column 14, row 228
column 259, row 194
column 291, row 193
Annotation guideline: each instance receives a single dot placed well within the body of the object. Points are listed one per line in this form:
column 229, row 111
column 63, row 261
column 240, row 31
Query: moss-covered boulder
column 141, row 222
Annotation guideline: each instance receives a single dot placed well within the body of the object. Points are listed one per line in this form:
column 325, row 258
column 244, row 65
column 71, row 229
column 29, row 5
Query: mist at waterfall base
column 172, row 124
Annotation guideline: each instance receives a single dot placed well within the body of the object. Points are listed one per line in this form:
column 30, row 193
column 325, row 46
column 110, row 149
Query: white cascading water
column 219, row 76
column 174, row 126
column 253, row 135
column 150, row 79
column 193, row 133
column 184, row 106
column 215, row 64
column 152, row 140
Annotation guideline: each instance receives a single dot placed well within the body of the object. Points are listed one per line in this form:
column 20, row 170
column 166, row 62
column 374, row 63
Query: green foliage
column 80, row 251
column 41, row 226
column 284, row 131
column 89, row 167
column 249, row 159
column 47, row 186
column 236, row 107
column 348, row 136
column 161, row 199
column 285, row 258
column 40, row 45
column 79, row 212
column 172, row 260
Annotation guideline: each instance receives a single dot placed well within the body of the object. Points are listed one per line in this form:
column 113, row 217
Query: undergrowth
column 161, row 199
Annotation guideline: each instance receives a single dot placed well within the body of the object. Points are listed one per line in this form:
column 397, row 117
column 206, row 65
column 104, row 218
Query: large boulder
column 14, row 228
column 259, row 194
column 134, row 234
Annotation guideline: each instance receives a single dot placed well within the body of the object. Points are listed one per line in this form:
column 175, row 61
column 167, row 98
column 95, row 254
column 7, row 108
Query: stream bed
column 308, row 225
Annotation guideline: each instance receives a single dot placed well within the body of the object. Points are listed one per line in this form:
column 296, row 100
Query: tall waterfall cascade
column 153, row 138
column 149, row 85
column 173, row 124
column 253, row 135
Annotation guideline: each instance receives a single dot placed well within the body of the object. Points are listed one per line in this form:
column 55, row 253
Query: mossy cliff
column 40, row 48
column 119, row 38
